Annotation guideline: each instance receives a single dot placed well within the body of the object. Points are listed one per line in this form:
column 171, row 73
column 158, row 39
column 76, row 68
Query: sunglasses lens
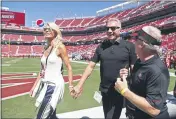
column 112, row 28
column 107, row 28
column 134, row 38
column 47, row 29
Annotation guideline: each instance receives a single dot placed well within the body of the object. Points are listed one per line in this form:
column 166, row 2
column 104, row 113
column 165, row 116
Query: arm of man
column 156, row 89
column 141, row 103
column 86, row 73
column 174, row 91
column 90, row 67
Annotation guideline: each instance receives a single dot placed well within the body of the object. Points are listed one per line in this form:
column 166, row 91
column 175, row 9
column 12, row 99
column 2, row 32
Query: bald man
column 147, row 92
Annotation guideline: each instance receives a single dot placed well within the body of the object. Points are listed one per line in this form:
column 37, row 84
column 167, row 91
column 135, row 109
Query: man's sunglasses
column 112, row 28
column 135, row 38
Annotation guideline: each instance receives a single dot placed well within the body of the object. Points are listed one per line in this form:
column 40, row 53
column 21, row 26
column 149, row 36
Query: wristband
column 70, row 86
column 123, row 91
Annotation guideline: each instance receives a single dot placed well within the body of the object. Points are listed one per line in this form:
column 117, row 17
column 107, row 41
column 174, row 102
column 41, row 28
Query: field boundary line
column 9, row 78
column 13, row 84
column 15, row 73
column 80, row 62
column 14, row 96
column 13, row 61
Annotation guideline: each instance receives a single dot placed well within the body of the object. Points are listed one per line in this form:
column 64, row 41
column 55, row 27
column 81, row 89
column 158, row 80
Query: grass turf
column 23, row 106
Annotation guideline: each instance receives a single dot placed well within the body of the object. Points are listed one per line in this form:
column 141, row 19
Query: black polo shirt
column 150, row 79
column 113, row 57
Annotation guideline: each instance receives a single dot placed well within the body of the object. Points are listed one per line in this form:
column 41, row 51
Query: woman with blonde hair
column 50, row 76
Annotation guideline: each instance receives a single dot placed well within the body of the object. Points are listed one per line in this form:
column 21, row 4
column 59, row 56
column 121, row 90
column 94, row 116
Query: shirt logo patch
column 140, row 75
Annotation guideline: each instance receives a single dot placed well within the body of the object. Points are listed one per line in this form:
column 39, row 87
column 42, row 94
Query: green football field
column 23, row 106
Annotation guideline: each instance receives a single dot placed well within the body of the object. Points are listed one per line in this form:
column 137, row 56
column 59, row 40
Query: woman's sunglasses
column 47, row 29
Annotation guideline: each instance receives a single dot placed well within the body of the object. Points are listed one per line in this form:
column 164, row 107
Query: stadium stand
column 92, row 28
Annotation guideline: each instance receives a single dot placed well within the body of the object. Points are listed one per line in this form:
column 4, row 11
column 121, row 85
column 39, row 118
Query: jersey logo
column 140, row 75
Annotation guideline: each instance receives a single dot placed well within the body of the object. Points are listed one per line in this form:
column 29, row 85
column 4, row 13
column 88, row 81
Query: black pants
column 112, row 104
column 162, row 115
column 174, row 91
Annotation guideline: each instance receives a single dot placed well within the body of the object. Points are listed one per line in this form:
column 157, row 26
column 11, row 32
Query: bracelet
column 123, row 91
column 70, row 86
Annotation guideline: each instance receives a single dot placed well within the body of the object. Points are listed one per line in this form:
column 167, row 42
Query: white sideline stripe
column 23, row 67
column 83, row 62
column 10, row 97
column 25, row 72
column 13, row 84
column 22, row 94
column 13, row 61
column 5, row 65
column 17, row 78
column 15, row 73
column 79, row 62
column 82, row 69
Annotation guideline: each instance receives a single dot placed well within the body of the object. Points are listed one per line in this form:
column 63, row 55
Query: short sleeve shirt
column 150, row 80
column 113, row 57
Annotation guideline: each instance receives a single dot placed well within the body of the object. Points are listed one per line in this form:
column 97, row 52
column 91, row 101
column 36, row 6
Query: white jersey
column 52, row 70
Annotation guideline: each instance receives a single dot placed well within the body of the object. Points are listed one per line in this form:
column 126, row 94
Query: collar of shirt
column 108, row 43
column 116, row 41
column 149, row 61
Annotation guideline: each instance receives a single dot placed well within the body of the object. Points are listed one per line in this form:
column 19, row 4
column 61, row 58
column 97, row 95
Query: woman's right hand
column 31, row 92
column 123, row 73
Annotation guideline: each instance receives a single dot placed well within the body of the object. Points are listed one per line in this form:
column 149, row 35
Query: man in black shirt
column 114, row 53
column 149, row 81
